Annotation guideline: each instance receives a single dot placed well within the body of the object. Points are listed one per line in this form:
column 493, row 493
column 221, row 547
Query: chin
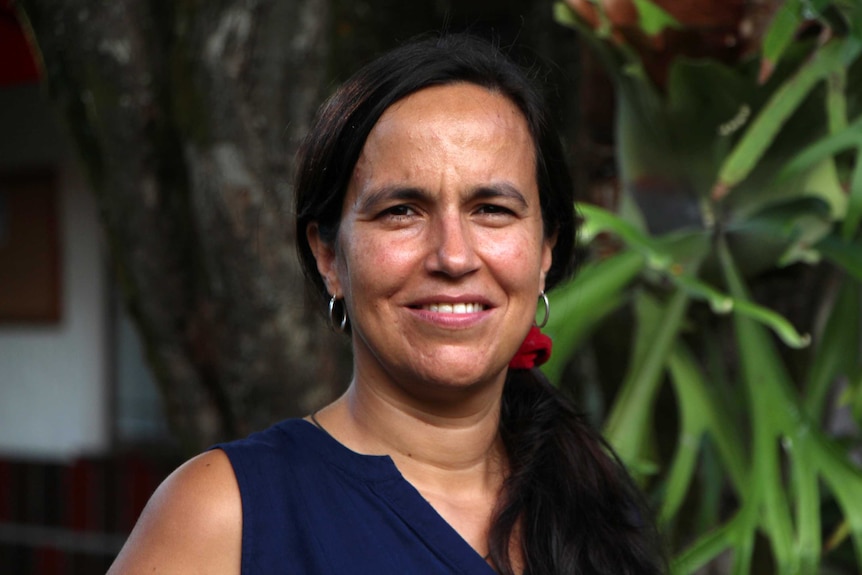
column 462, row 376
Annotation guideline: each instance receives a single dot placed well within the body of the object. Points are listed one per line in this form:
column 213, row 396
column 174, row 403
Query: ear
column 547, row 256
column 324, row 254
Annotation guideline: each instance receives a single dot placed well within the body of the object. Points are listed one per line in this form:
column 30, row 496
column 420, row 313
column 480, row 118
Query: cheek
column 375, row 265
column 516, row 259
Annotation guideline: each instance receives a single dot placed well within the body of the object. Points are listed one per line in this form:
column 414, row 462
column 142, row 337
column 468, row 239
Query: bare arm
column 192, row 523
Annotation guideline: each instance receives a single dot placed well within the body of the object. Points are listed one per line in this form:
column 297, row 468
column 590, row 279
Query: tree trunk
column 187, row 116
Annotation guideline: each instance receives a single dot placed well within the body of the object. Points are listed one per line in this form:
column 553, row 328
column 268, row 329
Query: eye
column 399, row 212
column 494, row 209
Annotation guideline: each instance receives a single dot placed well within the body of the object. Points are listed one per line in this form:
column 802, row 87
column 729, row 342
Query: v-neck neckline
column 384, row 478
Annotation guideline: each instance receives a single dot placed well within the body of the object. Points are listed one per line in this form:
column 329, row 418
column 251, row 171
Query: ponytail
column 567, row 500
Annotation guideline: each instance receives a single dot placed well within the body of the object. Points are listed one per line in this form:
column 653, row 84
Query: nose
column 451, row 247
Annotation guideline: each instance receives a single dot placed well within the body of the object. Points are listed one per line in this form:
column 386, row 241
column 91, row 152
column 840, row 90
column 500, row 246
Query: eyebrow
column 389, row 193
column 402, row 193
column 500, row 189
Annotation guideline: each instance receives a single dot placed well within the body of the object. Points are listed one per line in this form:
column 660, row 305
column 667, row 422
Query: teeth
column 454, row 308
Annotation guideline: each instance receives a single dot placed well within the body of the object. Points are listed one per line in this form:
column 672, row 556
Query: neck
column 441, row 446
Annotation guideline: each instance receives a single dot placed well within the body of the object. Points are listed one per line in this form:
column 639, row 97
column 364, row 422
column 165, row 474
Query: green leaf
column 831, row 359
column 716, row 418
column 700, row 414
column 806, row 491
column 705, row 549
column 598, row 220
column 843, row 478
column 680, row 470
column 854, row 206
column 723, row 303
column 719, row 303
column 826, row 147
column 854, row 17
column 563, row 14
column 777, row 416
column 856, row 401
column 769, row 389
column 838, row 535
column 652, row 19
column 567, row 16
column 628, row 424
column 784, row 232
column 836, row 100
column 763, row 131
column 743, row 550
column 774, row 321
column 781, row 31
column 577, row 306
column 846, row 255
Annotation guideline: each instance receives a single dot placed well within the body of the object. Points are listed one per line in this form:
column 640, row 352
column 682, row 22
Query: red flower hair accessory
column 534, row 351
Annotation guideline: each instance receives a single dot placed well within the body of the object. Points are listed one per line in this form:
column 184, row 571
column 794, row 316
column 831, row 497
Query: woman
column 434, row 209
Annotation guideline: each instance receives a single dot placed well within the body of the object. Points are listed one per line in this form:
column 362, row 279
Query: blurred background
column 151, row 303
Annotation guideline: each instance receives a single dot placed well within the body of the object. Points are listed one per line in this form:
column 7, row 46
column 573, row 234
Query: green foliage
column 653, row 19
column 761, row 161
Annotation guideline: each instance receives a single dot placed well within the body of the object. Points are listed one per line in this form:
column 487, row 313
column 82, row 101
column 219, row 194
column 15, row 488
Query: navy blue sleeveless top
column 312, row 506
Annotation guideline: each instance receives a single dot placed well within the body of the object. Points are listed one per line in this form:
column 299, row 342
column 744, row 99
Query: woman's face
column 440, row 254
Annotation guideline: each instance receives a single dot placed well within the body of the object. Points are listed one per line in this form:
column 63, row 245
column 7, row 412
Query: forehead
column 468, row 104
column 457, row 127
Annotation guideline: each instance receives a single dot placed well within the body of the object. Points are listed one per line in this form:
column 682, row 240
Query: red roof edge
column 18, row 64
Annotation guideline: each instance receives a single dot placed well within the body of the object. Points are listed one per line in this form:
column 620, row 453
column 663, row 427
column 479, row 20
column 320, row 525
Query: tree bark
column 187, row 116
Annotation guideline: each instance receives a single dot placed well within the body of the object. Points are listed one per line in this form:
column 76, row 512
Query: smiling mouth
column 454, row 307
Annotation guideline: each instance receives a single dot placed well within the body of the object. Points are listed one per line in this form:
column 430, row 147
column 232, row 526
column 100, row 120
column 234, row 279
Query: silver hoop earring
column 544, row 321
column 337, row 324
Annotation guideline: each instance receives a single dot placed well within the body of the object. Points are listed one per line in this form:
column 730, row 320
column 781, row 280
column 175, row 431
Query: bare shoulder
column 192, row 523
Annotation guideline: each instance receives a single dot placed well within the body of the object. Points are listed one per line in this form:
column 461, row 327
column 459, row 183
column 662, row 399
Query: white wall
column 54, row 393
column 54, row 399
